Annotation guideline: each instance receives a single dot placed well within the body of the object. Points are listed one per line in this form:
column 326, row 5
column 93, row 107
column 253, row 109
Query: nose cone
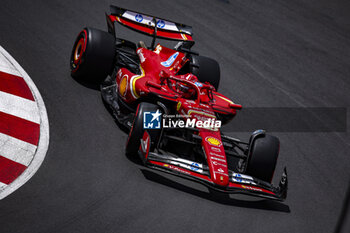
column 216, row 158
column 220, row 179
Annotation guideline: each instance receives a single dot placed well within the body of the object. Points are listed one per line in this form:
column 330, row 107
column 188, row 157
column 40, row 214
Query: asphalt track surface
column 272, row 54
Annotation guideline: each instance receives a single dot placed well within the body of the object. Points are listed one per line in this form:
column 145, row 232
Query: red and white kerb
column 20, row 123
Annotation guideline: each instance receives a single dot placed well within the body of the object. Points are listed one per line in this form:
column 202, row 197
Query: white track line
column 7, row 67
column 2, row 186
column 44, row 127
column 19, row 107
column 16, row 150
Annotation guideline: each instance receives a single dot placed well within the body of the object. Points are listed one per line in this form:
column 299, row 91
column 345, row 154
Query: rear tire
column 263, row 157
column 206, row 69
column 92, row 55
column 136, row 131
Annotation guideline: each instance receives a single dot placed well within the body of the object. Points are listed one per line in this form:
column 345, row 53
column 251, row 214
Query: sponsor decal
column 160, row 24
column 158, row 49
column 240, row 178
column 220, row 170
column 176, row 65
column 251, row 188
column 194, row 166
column 201, row 112
column 204, row 106
column 142, row 57
column 148, row 20
column 213, row 141
column 123, row 85
column 177, row 169
column 198, row 84
column 222, row 160
column 211, row 153
column 151, row 120
column 205, row 112
column 219, row 164
column 215, row 149
column 170, row 60
column 190, row 101
column 144, row 143
column 189, row 165
column 138, row 18
column 237, row 177
column 186, row 161
column 119, row 74
column 221, row 173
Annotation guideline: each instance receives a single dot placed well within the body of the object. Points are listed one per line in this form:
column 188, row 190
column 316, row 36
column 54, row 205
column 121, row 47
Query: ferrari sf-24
column 149, row 89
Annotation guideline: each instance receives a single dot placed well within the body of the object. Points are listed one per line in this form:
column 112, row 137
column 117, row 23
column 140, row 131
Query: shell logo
column 123, row 85
column 213, row 141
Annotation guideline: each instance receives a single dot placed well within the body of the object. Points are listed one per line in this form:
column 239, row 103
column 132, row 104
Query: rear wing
column 149, row 25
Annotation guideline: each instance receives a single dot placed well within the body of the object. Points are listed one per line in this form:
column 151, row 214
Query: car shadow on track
column 221, row 198
column 88, row 82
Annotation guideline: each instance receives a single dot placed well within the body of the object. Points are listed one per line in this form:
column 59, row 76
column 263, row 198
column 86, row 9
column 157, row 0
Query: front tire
column 263, row 157
column 137, row 130
column 92, row 55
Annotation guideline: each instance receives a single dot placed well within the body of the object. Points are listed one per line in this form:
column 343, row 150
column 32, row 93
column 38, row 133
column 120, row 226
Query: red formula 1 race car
column 168, row 100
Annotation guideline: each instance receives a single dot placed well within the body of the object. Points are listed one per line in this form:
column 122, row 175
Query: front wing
column 239, row 183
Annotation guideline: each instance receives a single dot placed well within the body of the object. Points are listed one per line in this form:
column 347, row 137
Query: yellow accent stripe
column 134, row 81
column 184, row 36
column 227, row 100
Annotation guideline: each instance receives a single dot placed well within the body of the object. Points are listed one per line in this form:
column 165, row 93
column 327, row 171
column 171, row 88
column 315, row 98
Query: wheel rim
column 78, row 51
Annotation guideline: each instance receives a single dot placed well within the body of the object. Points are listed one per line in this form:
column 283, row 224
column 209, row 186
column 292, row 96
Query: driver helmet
column 185, row 89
